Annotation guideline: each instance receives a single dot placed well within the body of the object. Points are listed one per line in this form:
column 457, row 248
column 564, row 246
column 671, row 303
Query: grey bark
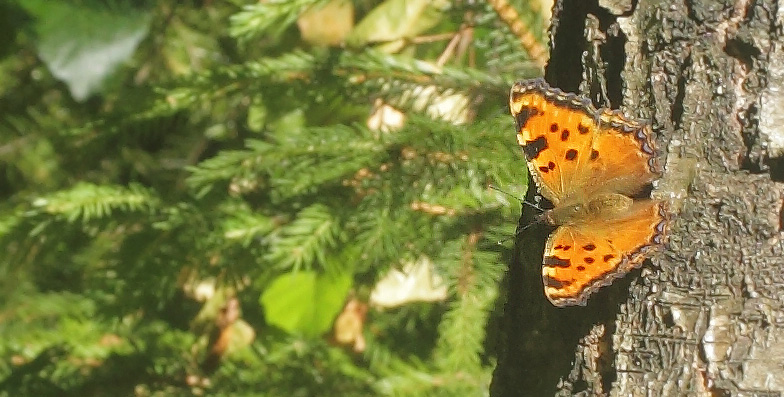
column 706, row 317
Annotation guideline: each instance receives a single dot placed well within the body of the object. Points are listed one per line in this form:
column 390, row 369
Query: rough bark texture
column 706, row 317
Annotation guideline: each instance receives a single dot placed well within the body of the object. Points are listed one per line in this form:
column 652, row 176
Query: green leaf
column 396, row 19
column 84, row 43
column 305, row 302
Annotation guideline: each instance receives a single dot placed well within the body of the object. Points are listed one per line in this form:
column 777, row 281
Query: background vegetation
column 281, row 197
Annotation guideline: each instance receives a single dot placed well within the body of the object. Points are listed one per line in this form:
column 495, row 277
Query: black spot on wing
column 551, row 282
column 555, row 261
column 582, row 129
column 533, row 148
column 565, row 135
column 571, row 154
column 547, row 168
column 526, row 112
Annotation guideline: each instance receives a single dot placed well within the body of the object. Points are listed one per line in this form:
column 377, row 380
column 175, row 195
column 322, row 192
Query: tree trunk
column 705, row 317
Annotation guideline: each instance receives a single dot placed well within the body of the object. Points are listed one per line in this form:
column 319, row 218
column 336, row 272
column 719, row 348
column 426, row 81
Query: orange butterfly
column 590, row 164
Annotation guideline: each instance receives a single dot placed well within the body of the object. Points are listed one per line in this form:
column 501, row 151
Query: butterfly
column 592, row 164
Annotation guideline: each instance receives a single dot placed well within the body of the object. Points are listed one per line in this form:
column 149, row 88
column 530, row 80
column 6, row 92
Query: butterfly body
column 602, row 206
column 592, row 165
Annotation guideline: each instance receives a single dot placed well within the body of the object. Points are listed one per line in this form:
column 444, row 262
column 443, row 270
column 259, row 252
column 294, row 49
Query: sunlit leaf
column 84, row 43
column 396, row 19
column 305, row 302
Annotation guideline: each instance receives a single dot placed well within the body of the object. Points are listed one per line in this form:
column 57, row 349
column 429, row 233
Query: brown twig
column 511, row 18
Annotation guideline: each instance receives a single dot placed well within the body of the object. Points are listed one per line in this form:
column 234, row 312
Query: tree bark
column 706, row 317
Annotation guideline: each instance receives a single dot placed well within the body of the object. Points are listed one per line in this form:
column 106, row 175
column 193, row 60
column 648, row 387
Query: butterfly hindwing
column 583, row 257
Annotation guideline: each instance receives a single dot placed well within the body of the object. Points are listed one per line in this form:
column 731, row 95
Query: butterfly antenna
column 517, row 232
column 520, row 230
column 491, row 186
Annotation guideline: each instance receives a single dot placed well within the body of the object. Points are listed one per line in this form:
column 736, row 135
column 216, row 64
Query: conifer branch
column 87, row 201
column 306, row 241
column 244, row 226
column 271, row 17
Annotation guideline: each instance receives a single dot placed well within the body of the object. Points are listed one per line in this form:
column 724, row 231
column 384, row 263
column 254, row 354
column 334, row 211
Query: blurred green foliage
column 193, row 191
